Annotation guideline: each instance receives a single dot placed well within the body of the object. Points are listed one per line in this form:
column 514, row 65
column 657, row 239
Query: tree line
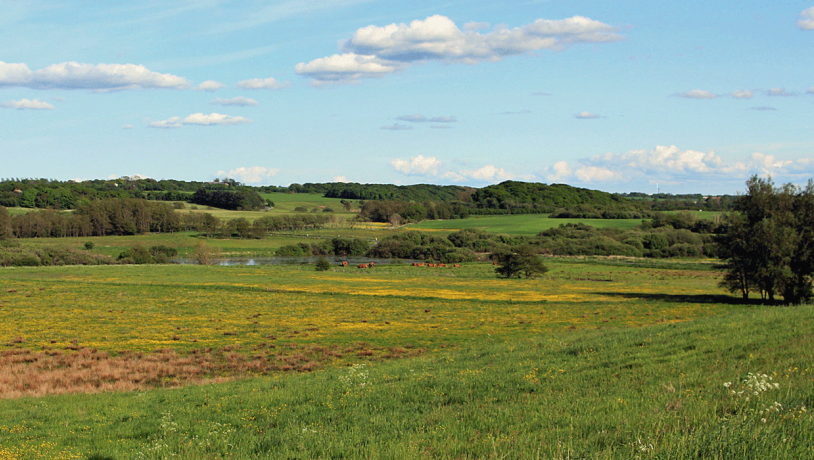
column 131, row 216
column 768, row 244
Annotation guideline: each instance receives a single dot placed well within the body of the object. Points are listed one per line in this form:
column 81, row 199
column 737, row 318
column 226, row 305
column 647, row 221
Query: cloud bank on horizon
column 599, row 97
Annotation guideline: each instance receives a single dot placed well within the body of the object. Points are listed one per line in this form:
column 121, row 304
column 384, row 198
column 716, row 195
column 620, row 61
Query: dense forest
column 445, row 201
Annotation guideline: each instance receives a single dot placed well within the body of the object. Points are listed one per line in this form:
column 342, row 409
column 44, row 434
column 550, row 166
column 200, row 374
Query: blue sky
column 618, row 96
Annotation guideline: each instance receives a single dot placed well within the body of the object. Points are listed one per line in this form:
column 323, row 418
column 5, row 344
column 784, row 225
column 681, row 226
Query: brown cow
column 431, row 265
column 441, row 265
column 456, row 266
column 344, row 263
column 362, row 266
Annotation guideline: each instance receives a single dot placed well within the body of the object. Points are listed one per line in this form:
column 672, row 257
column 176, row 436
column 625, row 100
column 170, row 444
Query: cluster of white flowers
column 776, row 407
column 645, row 447
column 754, row 385
column 357, row 376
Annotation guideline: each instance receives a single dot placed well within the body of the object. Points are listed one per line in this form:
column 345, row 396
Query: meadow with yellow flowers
column 596, row 359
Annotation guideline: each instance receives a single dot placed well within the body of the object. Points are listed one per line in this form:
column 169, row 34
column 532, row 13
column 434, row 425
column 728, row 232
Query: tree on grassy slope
column 768, row 244
column 523, row 261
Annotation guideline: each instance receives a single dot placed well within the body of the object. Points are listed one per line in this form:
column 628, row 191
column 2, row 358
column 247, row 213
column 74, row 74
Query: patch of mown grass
column 652, row 392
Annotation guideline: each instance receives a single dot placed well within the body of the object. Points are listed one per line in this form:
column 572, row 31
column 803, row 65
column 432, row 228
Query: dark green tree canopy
column 768, row 245
column 523, row 261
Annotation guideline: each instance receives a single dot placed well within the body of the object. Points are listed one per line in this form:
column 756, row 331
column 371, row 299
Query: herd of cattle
column 344, row 263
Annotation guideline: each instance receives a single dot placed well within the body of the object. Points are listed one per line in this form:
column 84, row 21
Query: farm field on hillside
column 519, row 224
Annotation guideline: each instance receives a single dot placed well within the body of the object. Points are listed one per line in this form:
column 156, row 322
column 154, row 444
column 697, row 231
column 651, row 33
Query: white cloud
column 263, row 83
column 559, row 172
column 698, row 94
column 811, row 90
column 349, row 67
column 35, row 104
column 251, row 175
column 199, row 119
column 209, row 85
column 397, row 127
column 663, row 158
column 669, row 164
column 128, row 126
column 73, row 75
column 172, row 122
column 213, row 119
column 419, row 165
column 769, row 163
column 595, row 173
column 778, row 92
column 586, row 115
column 806, row 21
column 743, row 94
column 490, row 173
column 238, row 101
column 375, row 51
column 340, row 179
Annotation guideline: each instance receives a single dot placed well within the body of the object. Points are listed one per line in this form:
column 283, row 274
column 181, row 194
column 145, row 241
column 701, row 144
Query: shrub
column 322, row 264
column 89, row 245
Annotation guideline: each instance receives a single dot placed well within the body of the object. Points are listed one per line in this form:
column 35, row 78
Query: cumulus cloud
column 663, row 158
column 586, row 115
column 209, row 85
column 263, row 83
column 238, row 101
column 806, row 21
column 671, row 164
column 23, row 104
column 73, row 75
column 199, row 119
column 251, row 175
column 419, row 165
column 489, row 173
column 743, row 94
column 128, row 126
column 596, row 174
column 558, row 172
column 698, row 94
column 349, row 67
column 340, row 179
column 781, row 92
column 374, row 51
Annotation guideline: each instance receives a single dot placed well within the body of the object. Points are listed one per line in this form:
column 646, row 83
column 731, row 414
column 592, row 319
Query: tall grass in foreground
column 667, row 391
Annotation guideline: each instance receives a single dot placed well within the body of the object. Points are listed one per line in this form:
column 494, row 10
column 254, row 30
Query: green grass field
column 591, row 361
column 522, row 224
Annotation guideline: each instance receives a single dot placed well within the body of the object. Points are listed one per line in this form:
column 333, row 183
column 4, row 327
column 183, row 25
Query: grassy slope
column 500, row 379
column 523, row 224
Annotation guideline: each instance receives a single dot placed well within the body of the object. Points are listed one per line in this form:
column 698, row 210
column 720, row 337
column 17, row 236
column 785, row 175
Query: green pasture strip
column 634, row 393
column 185, row 242
column 119, row 308
column 519, row 224
column 706, row 215
column 286, row 202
